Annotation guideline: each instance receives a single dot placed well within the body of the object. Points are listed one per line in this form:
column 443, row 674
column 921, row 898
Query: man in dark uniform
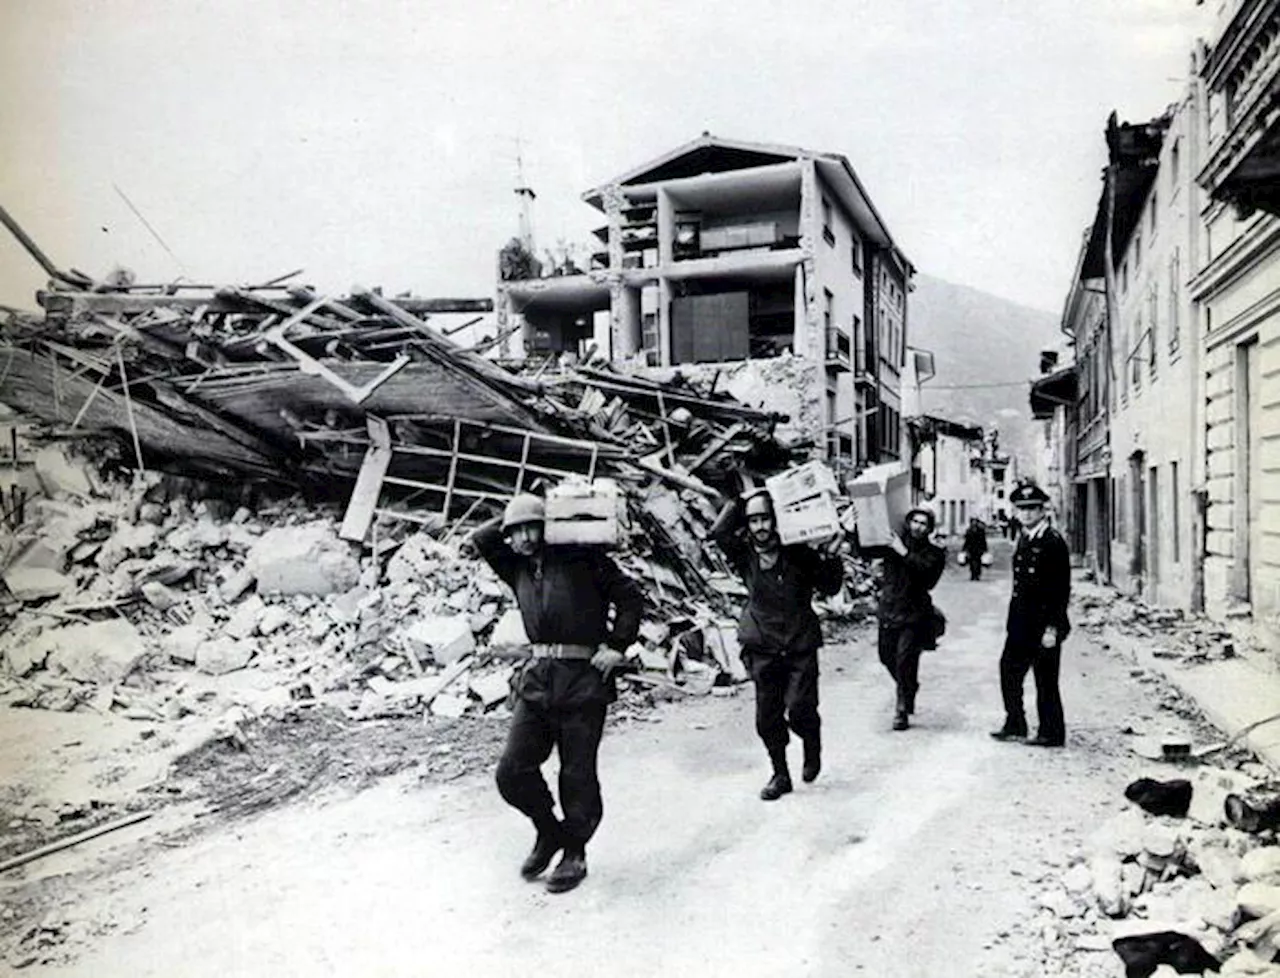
column 974, row 547
column 561, row 692
column 911, row 569
column 779, row 633
column 1037, row 623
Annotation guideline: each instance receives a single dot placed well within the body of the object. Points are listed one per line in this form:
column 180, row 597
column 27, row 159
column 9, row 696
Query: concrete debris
column 167, row 597
column 444, row 639
column 103, row 652
column 60, row 475
column 1174, row 893
column 224, row 654
column 1171, row 633
column 308, row 559
column 1258, row 899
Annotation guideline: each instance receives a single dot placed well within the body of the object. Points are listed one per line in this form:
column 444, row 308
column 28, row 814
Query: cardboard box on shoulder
column 881, row 498
column 810, row 519
column 586, row 513
column 802, row 482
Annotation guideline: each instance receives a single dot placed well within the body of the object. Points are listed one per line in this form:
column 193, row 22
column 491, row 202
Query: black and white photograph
column 625, row 490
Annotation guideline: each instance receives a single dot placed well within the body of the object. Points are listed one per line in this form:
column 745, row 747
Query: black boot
column 550, row 840
column 780, row 783
column 1011, row 731
column 910, row 699
column 812, row 759
column 570, row 871
column 901, row 711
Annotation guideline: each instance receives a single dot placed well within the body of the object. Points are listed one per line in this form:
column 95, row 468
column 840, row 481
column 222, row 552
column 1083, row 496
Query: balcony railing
column 839, row 349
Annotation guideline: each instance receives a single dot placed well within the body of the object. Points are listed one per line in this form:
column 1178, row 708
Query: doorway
column 1138, row 507
column 1248, row 481
column 1153, row 538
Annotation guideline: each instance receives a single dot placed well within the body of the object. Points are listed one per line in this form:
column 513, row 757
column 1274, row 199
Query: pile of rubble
column 1170, row 633
column 1172, row 885
column 134, row 599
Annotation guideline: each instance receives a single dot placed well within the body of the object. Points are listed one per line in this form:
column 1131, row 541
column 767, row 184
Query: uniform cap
column 1029, row 495
column 524, row 508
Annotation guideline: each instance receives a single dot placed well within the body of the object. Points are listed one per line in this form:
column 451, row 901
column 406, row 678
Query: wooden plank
column 717, row 443
column 116, row 303
column 364, row 498
column 73, row 840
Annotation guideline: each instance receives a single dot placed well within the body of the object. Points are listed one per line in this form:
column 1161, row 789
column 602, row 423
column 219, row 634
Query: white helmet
column 524, row 508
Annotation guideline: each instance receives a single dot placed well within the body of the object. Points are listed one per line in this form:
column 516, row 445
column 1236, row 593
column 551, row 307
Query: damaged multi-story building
column 1171, row 409
column 768, row 265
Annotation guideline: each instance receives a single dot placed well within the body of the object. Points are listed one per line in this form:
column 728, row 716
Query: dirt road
column 915, row 853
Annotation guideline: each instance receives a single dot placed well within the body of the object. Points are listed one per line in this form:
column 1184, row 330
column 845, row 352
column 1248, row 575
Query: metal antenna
column 527, row 197
column 147, row 224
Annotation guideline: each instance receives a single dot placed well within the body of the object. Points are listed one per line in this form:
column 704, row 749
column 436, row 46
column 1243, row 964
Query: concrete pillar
column 626, row 338
column 666, row 229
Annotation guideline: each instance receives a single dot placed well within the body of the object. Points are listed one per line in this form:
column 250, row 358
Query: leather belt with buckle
column 561, row 651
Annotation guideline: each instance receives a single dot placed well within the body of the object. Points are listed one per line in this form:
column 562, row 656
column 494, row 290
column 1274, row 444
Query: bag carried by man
column 935, row 626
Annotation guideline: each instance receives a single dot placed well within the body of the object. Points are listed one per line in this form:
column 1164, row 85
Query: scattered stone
column 509, row 632
column 244, row 620
column 159, row 596
column 60, row 475
column 417, row 558
column 1247, row 962
column 36, row 583
column 493, row 688
column 152, row 513
column 1261, row 865
column 449, row 705
column 306, row 559
column 222, row 655
column 1258, row 899
column 273, row 619
column 446, row 639
column 234, row 586
column 183, row 643
column 103, row 652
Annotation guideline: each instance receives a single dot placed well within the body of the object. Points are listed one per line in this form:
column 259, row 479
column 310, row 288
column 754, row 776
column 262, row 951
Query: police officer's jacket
column 1041, row 585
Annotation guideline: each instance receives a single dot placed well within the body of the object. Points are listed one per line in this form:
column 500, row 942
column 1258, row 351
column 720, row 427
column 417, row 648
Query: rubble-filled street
column 925, row 852
column 473, row 502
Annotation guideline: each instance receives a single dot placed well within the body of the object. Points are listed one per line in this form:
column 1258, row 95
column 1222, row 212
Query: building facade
column 1237, row 290
column 946, row 471
column 728, row 252
column 1154, row 417
column 1174, row 315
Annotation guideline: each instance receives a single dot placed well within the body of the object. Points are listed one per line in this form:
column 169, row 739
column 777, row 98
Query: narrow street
column 915, row 853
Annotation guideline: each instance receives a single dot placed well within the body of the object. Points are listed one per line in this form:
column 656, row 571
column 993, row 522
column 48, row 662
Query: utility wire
column 147, row 224
column 969, row 387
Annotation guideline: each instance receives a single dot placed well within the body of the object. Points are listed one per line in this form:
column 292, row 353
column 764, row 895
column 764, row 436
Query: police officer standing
column 1037, row 622
column 778, row 631
column 563, row 689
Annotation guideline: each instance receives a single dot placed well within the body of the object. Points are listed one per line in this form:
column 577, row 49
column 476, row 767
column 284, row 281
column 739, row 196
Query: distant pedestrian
column 905, row 610
column 562, row 691
column 778, row 631
column 1037, row 623
column 975, row 547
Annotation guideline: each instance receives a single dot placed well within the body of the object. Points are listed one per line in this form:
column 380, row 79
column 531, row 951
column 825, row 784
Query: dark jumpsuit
column 779, row 632
column 564, row 595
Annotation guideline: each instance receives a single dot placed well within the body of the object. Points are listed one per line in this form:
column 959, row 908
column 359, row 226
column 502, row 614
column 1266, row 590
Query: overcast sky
column 374, row 142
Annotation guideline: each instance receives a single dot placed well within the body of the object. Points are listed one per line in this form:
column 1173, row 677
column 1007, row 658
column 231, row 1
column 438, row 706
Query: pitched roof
column 713, row 154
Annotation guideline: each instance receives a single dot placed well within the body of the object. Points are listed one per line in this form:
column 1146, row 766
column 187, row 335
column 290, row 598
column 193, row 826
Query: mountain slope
column 981, row 339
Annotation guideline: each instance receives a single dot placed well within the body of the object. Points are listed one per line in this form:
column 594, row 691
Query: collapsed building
column 283, row 478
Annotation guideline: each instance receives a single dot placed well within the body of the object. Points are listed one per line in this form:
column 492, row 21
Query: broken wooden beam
column 117, row 303
column 73, row 840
